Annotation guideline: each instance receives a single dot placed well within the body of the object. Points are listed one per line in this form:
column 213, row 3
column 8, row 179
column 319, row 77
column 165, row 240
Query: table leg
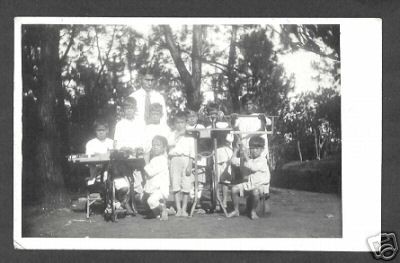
column 215, row 179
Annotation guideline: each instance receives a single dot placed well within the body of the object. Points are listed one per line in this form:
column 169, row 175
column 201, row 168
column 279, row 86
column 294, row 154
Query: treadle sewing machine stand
column 215, row 175
column 84, row 159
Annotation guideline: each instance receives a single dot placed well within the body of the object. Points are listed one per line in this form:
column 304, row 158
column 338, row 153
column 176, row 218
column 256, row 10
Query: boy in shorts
column 256, row 179
column 181, row 156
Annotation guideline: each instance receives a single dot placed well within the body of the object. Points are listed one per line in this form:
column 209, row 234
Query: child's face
column 255, row 152
column 180, row 124
column 157, row 147
column 192, row 119
column 129, row 112
column 213, row 114
column 155, row 117
column 101, row 132
column 249, row 107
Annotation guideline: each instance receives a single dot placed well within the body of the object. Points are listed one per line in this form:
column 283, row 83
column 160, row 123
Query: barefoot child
column 257, row 176
column 181, row 156
column 156, row 189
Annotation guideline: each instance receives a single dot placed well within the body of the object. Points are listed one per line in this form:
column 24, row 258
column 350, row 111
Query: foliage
column 100, row 65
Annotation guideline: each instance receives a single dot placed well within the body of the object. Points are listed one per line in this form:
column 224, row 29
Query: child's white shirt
column 181, row 145
column 95, row 146
column 129, row 133
column 257, row 169
column 157, row 175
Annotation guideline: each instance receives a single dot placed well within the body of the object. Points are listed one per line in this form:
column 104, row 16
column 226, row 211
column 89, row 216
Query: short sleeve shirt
column 95, row 146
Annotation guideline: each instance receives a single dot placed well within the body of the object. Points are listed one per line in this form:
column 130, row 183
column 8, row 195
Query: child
column 128, row 138
column 128, row 131
column 157, row 179
column 181, row 156
column 192, row 121
column 256, row 180
column 224, row 150
column 154, row 127
column 99, row 145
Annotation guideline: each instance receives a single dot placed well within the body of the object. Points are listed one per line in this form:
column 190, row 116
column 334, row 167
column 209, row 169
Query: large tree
column 191, row 81
column 41, row 49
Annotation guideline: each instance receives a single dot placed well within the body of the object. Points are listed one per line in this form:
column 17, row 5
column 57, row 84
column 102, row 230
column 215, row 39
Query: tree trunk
column 299, row 151
column 194, row 98
column 233, row 88
column 49, row 155
column 317, row 145
column 192, row 84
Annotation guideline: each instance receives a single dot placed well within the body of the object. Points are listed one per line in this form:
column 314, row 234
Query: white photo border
column 361, row 115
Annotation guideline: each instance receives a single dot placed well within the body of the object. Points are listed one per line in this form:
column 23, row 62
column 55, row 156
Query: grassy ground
column 293, row 214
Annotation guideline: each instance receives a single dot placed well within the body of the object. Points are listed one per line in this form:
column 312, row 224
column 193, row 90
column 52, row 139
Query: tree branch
column 71, row 42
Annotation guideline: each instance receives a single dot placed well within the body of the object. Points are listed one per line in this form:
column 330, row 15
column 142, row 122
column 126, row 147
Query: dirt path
column 294, row 214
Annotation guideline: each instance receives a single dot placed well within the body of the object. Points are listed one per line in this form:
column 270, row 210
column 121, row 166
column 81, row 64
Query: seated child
column 246, row 124
column 99, row 145
column 128, row 138
column 256, row 181
column 156, row 189
column 224, row 150
column 181, row 156
column 153, row 128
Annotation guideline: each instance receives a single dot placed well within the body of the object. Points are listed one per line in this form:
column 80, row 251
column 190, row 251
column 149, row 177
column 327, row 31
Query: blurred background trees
column 73, row 74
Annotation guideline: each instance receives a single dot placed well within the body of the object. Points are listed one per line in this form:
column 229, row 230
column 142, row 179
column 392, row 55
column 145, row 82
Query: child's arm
column 257, row 165
column 234, row 159
column 156, row 167
column 189, row 167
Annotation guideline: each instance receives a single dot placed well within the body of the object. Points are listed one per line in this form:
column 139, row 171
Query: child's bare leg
column 185, row 197
column 164, row 212
column 255, row 197
column 235, row 200
column 225, row 195
column 177, row 197
column 267, row 208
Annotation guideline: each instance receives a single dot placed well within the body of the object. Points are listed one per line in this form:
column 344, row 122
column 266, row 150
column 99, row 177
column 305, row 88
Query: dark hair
column 246, row 98
column 129, row 102
column 162, row 139
column 156, row 107
column 256, row 141
column 180, row 115
column 212, row 106
column 100, row 122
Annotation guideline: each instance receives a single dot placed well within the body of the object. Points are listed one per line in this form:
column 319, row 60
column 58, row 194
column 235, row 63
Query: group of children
column 169, row 156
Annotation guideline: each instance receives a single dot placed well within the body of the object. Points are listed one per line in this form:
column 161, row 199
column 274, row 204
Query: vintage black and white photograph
column 180, row 130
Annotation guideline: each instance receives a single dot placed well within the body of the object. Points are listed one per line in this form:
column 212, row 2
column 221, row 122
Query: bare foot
column 171, row 211
column 253, row 215
column 184, row 214
column 178, row 213
column 234, row 213
column 164, row 214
